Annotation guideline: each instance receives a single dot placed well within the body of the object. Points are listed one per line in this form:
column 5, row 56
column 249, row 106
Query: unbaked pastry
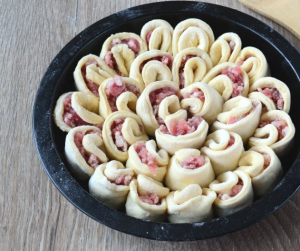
column 203, row 100
column 224, row 150
column 119, row 94
column 84, row 149
column 272, row 93
column 188, row 166
column 121, row 130
column 181, row 132
column 158, row 34
column 119, row 51
column 229, row 80
column 264, row 168
column 254, row 62
column 144, row 158
column 147, row 199
column 234, row 192
column 190, row 65
column 151, row 66
column 276, row 130
column 240, row 115
column 75, row 109
column 110, row 184
column 90, row 72
column 226, row 48
column 191, row 204
column 192, row 32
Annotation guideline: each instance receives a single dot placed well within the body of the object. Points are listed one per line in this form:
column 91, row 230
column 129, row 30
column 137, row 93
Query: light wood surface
column 284, row 12
column 33, row 214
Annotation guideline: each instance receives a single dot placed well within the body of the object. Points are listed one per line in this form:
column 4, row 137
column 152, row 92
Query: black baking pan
column 284, row 62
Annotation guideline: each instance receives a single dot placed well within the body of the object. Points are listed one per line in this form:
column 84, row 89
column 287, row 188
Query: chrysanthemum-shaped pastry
column 224, row 150
column 264, row 168
column 75, row 109
column 144, row 158
column 188, row 166
column 157, row 101
column 121, row 130
column 110, row 183
column 240, row 115
column 151, row 66
column 276, row 130
column 119, row 51
column 147, row 199
column 192, row 32
column 158, row 35
column 272, row 93
column 226, row 48
column 229, row 80
column 181, row 132
column 234, row 192
column 119, row 94
column 191, row 204
column 90, row 72
column 190, row 65
column 84, row 149
column 254, row 62
column 203, row 100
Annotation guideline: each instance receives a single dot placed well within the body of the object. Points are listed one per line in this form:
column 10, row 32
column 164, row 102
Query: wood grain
column 33, row 214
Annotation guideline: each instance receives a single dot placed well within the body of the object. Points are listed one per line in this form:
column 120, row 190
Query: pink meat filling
column 123, row 180
column 70, row 117
column 193, row 162
column 181, row 69
column 166, row 60
column 273, row 94
column 197, row 93
column 148, row 37
column 242, row 61
column 132, row 44
column 90, row 84
column 157, row 96
column 231, row 45
column 234, row 191
column 235, row 74
column 151, row 199
column 230, row 142
column 116, row 130
column 145, row 156
column 90, row 159
column 111, row 62
column 233, row 120
column 115, row 88
column 280, row 124
column 267, row 160
column 183, row 127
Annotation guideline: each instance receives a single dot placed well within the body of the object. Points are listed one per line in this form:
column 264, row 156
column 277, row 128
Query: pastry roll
column 110, row 184
column 119, row 51
column 224, row 150
column 75, row 109
column 234, row 192
column 272, row 93
column 229, row 80
column 84, row 149
column 254, row 62
column 119, row 94
column 276, row 130
column 192, row 32
column 152, row 66
column 158, row 35
column 157, row 101
column 144, row 158
column 147, row 199
column 264, row 168
column 240, row 115
column 191, row 204
column 90, row 72
column 188, row 166
column 121, row 130
column 226, row 48
column 190, row 65
column 203, row 100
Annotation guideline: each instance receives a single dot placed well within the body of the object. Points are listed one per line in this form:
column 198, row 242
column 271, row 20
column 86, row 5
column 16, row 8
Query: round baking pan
column 284, row 62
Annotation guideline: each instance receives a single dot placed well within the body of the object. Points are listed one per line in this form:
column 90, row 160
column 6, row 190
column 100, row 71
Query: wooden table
column 33, row 214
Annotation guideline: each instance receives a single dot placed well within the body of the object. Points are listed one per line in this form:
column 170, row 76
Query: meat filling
column 181, row 69
column 132, row 44
column 145, row 156
column 273, row 94
column 123, row 180
column 111, row 62
column 166, row 60
column 193, row 162
column 197, row 93
column 148, row 37
column 233, row 192
column 231, row 45
column 93, row 87
column 267, row 160
column 233, row 120
column 281, row 126
column 235, row 74
column 116, row 130
column 115, row 88
column 230, row 142
column 151, row 199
